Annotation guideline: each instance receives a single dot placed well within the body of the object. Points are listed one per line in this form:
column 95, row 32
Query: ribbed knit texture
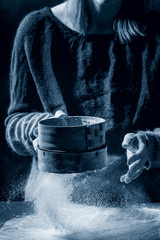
column 55, row 68
column 20, row 131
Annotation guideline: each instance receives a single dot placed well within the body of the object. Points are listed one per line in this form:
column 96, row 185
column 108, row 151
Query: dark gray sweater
column 54, row 67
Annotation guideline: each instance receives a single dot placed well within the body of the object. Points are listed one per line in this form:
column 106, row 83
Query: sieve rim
column 85, row 118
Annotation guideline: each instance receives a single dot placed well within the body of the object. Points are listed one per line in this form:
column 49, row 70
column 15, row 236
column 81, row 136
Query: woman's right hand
column 137, row 155
column 58, row 114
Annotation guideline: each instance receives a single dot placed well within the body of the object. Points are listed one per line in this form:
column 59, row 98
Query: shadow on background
column 14, row 169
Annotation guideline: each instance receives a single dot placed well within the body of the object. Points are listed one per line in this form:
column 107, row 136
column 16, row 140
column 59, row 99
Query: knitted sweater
column 54, row 67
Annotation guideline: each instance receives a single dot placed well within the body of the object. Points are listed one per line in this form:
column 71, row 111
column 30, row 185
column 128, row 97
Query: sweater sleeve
column 153, row 146
column 25, row 109
column 20, row 131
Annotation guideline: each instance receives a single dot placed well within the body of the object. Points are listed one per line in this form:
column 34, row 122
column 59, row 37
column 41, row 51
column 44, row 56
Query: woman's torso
column 98, row 76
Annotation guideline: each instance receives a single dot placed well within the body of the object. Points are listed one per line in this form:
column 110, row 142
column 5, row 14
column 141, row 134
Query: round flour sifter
column 72, row 145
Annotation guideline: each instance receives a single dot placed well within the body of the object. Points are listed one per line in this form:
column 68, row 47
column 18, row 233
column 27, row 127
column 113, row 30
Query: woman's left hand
column 137, row 155
column 58, row 114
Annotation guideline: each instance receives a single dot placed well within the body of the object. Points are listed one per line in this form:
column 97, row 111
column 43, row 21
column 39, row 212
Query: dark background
column 14, row 169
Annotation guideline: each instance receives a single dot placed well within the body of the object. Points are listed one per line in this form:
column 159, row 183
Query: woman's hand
column 58, row 114
column 137, row 155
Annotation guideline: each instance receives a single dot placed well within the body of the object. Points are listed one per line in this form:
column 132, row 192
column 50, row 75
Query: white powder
column 78, row 206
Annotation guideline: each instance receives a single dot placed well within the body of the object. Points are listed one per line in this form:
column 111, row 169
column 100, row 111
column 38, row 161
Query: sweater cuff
column 153, row 146
column 20, row 131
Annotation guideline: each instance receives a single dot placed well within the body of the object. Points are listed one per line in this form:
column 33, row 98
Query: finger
column 129, row 153
column 133, row 172
column 128, row 139
column 140, row 153
column 134, row 176
column 35, row 132
column 134, row 168
column 130, row 142
column 123, row 178
column 60, row 114
column 35, row 144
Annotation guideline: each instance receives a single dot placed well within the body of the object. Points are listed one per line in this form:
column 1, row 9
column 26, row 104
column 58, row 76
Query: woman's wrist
column 153, row 146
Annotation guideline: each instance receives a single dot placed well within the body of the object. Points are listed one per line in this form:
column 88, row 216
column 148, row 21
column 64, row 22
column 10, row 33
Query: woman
column 89, row 57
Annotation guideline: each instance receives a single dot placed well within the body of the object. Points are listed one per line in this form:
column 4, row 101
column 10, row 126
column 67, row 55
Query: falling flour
column 83, row 206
